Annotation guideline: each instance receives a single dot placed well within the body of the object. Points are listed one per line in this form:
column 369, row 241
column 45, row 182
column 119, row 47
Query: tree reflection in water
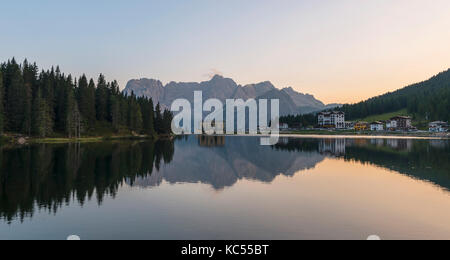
column 49, row 176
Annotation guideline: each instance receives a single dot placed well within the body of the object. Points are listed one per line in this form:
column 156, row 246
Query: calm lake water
column 227, row 188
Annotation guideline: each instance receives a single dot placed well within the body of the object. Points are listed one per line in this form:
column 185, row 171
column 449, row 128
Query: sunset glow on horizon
column 339, row 51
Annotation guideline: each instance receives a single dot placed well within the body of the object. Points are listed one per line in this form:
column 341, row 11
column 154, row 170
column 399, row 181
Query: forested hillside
column 429, row 100
column 50, row 103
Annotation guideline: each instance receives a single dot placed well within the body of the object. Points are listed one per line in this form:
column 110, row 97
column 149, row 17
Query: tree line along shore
column 50, row 105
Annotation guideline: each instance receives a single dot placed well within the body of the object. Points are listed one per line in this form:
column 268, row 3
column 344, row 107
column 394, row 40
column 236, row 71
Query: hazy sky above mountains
column 338, row 50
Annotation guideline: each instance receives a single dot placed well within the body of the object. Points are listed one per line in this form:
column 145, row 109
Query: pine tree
column 86, row 101
column 137, row 127
column 37, row 126
column 114, row 114
column 159, row 124
column 134, row 115
column 114, row 109
column 73, row 116
column 30, row 76
column 2, row 119
column 124, row 111
column 27, row 99
column 29, row 73
column 148, row 116
column 15, row 98
column 62, row 87
column 101, row 100
column 151, row 123
column 167, row 122
column 48, row 91
column 42, row 124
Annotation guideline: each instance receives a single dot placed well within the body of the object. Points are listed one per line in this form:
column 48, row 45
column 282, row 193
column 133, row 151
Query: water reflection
column 222, row 161
column 47, row 177
column 211, row 141
column 422, row 159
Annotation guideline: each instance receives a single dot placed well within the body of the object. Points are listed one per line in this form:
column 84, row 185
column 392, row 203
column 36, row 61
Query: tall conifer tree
column 15, row 98
column 159, row 124
column 86, row 101
column 2, row 116
column 102, row 99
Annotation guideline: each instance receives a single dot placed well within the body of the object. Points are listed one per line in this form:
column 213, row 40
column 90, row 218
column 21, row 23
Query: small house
column 349, row 125
column 391, row 125
column 361, row 126
column 438, row 127
column 284, row 126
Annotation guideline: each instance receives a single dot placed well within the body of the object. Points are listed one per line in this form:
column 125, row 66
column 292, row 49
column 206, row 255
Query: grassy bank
column 64, row 140
column 61, row 140
column 384, row 117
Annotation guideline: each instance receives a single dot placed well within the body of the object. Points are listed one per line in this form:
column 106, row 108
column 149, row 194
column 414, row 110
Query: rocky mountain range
column 291, row 102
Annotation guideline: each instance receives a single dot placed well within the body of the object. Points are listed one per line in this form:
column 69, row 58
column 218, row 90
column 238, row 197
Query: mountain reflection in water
column 47, row 177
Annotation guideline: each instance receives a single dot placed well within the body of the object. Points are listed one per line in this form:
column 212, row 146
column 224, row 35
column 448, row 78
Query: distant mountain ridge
column 291, row 102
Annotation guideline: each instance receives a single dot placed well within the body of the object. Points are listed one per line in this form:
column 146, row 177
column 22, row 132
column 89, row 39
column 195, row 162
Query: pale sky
column 338, row 50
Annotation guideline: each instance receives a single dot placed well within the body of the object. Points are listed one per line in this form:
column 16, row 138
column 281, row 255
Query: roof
column 376, row 123
column 333, row 112
column 401, row 117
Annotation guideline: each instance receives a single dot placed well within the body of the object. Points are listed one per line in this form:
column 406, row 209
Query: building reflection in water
column 332, row 146
column 211, row 141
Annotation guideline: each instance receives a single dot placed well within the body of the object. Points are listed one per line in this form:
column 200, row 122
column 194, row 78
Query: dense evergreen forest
column 299, row 121
column 428, row 100
column 49, row 103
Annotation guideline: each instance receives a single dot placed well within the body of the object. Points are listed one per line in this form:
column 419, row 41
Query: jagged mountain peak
column 217, row 77
column 145, row 81
column 223, row 88
column 219, row 80
column 304, row 100
column 291, row 90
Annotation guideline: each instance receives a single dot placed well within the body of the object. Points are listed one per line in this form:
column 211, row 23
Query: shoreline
column 17, row 140
column 368, row 134
column 83, row 139
column 355, row 136
column 340, row 135
column 288, row 134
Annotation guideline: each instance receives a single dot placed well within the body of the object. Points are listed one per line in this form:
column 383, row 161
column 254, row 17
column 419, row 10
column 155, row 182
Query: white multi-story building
column 335, row 119
column 401, row 122
column 377, row 126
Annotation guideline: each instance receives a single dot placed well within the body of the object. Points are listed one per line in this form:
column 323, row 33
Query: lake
column 198, row 187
